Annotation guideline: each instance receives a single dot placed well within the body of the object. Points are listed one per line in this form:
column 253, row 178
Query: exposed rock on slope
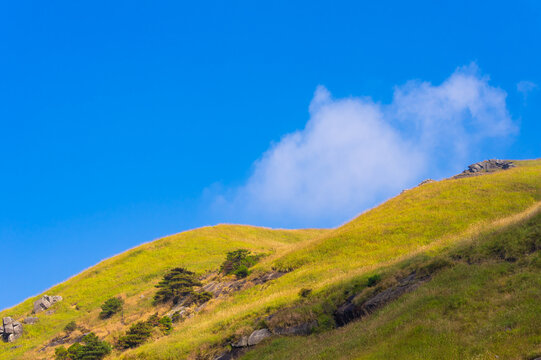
column 484, row 167
column 10, row 329
column 351, row 311
column 45, row 302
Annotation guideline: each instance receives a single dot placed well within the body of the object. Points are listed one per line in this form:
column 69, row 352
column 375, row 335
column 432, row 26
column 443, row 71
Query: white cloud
column 525, row 87
column 354, row 152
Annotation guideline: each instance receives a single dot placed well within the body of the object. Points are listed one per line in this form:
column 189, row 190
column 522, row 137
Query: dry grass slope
column 428, row 219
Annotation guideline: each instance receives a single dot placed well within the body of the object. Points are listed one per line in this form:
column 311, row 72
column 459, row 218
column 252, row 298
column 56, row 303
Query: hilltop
column 448, row 269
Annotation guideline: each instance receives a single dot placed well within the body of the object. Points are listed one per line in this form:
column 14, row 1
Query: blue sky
column 126, row 121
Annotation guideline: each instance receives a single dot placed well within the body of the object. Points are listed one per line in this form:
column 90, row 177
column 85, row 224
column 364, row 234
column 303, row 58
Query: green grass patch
column 412, row 229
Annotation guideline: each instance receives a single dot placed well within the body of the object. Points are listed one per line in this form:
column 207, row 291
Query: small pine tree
column 241, row 272
column 166, row 324
column 70, row 327
column 111, row 307
column 238, row 262
column 135, row 336
column 176, row 284
column 373, row 280
column 93, row 349
column 60, row 353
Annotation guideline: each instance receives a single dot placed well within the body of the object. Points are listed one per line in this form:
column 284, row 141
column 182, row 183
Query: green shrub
column 176, row 284
column 305, row 292
column 199, row 298
column 111, row 307
column 241, row 272
column 93, row 349
column 70, row 327
column 142, row 331
column 60, row 353
column 238, row 262
column 135, row 336
column 166, row 324
column 373, row 280
column 154, row 320
column 176, row 317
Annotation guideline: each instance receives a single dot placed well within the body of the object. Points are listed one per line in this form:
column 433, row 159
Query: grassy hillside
column 133, row 275
column 426, row 220
column 484, row 303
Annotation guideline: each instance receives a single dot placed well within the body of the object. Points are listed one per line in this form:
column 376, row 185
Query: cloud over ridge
column 354, row 152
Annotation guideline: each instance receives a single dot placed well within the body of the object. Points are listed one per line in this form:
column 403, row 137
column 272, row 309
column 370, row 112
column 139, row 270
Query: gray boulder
column 243, row 342
column 257, row 336
column 300, row 329
column 486, row 166
column 30, row 320
column 10, row 330
column 17, row 328
column 45, row 302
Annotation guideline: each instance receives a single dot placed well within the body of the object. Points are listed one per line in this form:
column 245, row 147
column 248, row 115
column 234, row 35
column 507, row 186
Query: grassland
column 133, row 274
column 483, row 303
column 427, row 220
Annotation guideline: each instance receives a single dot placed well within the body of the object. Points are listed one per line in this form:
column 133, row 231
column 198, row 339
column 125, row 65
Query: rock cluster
column 10, row 329
column 427, row 181
column 239, row 346
column 30, row 320
column 255, row 338
column 486, row 166
column 45, row 302
column 300, row 329
column 351, row 310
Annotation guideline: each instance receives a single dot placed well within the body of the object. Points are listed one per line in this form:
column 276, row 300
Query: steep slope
column 133, row 275
column 432, row 215
column 334, row 264
column 482, row 303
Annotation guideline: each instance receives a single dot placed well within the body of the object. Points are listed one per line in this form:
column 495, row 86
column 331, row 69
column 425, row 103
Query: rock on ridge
column 45, row 302
column 486, row 166
column 10, row 329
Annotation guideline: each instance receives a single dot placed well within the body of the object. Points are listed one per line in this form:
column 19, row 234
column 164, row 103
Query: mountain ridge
column 407, row 224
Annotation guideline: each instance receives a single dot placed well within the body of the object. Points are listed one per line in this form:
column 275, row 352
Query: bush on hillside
column 241, row 272
column 111, row 307
column 135, row 336
column 176, row 284
column 166, row 324
column 199, row 298
column 142, row 331
column 373, row 280
column 238, row 262
column 70, row 327
column 176, row 317
column 93, row 349
column 304, row 293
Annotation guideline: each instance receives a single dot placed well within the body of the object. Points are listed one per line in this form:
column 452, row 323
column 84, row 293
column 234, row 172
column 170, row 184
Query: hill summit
column 450, row 269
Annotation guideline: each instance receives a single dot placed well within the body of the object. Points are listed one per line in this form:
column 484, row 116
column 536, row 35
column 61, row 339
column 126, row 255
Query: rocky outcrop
column 219, row 287
column 10, row 330
column 258, row 336
column 427, row 181
column 242, row 342
column 300, row 329
column 485, row 167
column 350, row 310
column 30, row 320
column 255, row 338
column 45, row 302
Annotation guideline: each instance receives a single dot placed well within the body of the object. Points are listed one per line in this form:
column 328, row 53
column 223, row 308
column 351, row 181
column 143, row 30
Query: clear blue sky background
column 116, row 116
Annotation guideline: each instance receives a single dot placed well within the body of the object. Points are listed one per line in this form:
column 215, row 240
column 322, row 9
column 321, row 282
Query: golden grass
column 428, row 218
column 436, row 213
column 482, row 307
